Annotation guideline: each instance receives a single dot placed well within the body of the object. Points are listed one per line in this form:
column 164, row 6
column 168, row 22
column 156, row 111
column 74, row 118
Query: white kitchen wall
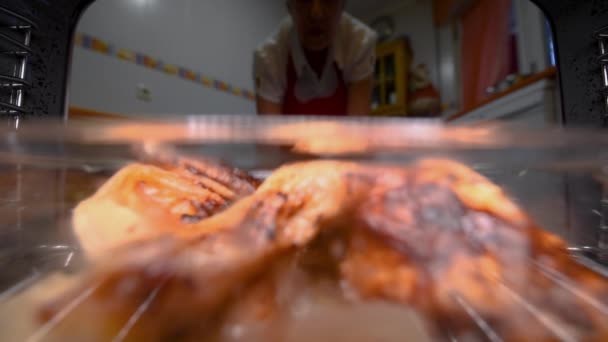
column 214, row 37
column 532, row 41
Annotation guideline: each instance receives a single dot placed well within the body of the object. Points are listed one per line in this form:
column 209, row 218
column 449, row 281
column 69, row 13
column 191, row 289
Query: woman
column 319, row 62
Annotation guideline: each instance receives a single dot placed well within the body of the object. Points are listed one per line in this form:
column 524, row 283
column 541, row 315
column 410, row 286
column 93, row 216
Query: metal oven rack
column 15, row 49
column 602, row 38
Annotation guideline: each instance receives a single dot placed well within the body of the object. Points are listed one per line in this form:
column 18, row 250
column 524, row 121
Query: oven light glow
column 143, row 3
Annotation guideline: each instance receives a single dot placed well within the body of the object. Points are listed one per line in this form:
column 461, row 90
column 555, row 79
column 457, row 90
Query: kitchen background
column 465, row 60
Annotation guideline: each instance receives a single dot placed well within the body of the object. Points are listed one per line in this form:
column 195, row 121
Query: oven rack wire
column 67, row 258
column 15, row 45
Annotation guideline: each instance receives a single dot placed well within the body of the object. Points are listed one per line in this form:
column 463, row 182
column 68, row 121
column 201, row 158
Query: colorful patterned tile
column 139, row 59
column 219, row 85
column 237, row 91
column 206, row 81
column 249, row 95
column 98, row 45
column 170, row 69
column 150, row 62
column 78, row 39
column 191, row 75
column 111, row 51
column 86, row 41
column 126, row 55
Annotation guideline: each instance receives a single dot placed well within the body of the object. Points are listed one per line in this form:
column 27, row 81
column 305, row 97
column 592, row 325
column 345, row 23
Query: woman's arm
column 265, row 107
column 360, row 97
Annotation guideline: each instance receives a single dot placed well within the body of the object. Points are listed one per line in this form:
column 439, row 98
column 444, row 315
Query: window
column 550, row 42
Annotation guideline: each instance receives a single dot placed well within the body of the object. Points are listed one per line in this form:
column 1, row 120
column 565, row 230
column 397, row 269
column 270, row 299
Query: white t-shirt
column 353, row 51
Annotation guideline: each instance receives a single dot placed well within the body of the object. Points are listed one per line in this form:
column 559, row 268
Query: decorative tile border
column 97, row 45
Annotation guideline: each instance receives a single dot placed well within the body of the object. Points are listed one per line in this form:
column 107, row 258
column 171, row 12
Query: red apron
column 335, row 104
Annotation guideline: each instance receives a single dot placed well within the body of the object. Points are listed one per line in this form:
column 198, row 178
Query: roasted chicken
column 435, row 236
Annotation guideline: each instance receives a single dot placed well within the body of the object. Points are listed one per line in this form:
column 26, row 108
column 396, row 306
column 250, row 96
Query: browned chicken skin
column 146, row 199
column 435, row 236
column 456, row 247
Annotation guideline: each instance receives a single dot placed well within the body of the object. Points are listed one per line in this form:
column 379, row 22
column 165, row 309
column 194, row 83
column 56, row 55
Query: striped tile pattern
column 100, row 46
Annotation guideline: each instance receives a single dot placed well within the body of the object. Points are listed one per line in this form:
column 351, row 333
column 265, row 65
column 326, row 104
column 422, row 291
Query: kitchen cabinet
column 390, row 90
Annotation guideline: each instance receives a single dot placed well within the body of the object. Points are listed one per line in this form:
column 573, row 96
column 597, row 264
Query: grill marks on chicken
column 230, row 183
column 143, row 200
column 436, row 236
